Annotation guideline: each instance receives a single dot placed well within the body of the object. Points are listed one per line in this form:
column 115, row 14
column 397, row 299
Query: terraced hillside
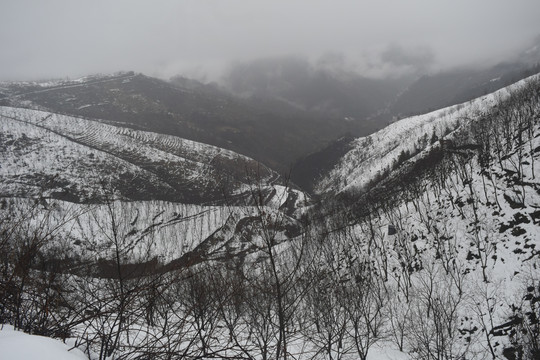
column 73, row 158
column 171, row 200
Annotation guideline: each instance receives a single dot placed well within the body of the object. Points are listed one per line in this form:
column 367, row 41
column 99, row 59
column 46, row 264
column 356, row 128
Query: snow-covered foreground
column 16, row 345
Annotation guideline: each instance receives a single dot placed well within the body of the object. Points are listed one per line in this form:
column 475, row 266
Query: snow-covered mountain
column 376, row 155
column 452, row 229
column 173, row 199
column 187, row 109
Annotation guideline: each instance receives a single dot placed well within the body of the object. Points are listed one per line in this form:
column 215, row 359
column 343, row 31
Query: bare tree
column 329, row 317
column 434, row 318
column 364, row 305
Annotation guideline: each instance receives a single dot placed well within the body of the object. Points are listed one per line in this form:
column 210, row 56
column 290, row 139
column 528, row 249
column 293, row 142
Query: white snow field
column 16, row 345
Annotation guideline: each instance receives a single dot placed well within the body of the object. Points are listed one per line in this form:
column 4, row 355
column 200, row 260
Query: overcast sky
column 70, row 38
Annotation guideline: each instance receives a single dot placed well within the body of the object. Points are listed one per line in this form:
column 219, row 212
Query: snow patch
column 16, row 345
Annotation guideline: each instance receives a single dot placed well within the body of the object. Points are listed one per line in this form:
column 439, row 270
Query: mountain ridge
column 202, row 113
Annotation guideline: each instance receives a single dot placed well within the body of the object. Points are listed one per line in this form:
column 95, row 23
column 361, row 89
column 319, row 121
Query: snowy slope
column 167, row 196
column 54, row 153
column 148, row 229
column 457, row 242
column 378, row 153
column 447, row 267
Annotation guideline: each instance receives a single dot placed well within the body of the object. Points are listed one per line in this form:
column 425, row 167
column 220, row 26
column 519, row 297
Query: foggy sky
column 70, row 38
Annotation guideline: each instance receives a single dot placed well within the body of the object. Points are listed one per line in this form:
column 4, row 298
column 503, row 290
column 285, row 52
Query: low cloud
column 418, row 59
column 61, row 38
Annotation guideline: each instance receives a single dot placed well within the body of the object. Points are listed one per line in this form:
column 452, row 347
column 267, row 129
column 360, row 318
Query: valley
column 417, row 241
column 262, row 180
